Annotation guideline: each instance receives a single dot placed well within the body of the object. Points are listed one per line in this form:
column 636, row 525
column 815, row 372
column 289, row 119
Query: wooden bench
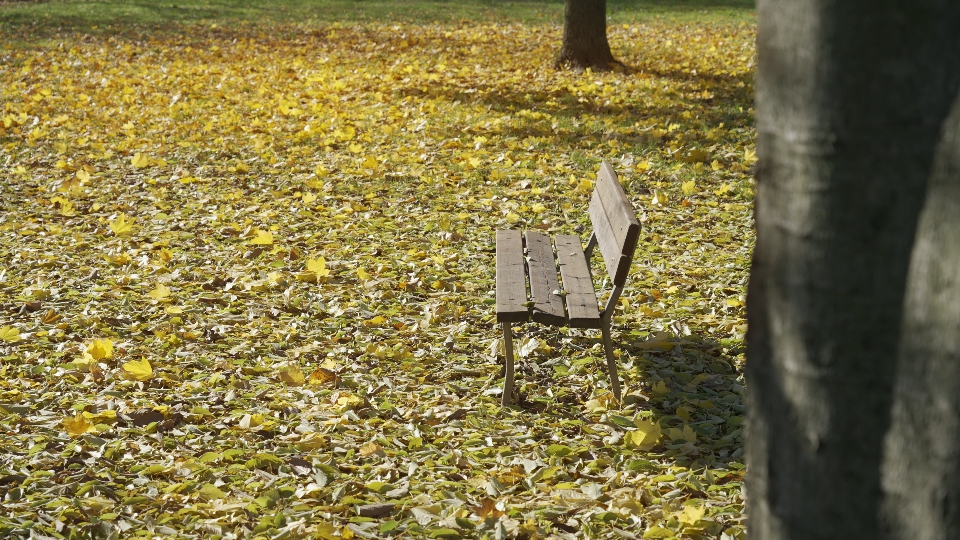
column 615, row 232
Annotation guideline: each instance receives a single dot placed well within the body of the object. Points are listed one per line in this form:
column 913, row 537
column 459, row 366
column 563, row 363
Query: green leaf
column 559, row 450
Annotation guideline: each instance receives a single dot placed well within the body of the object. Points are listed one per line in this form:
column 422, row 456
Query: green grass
column 105, row 15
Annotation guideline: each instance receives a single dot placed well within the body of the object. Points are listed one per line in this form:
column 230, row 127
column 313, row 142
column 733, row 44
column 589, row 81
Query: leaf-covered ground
column 246, row 283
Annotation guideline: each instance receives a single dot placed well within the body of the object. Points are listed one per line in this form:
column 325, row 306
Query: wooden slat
column 616, row 262
column 582, row 306
column 511, row 278
column 623, row 226
column 542, row 267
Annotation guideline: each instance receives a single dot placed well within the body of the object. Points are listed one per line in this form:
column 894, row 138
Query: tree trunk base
column 580, row 61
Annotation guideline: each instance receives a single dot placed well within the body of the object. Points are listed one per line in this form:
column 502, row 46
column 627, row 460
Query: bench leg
column 508, row 350
column 611, row 361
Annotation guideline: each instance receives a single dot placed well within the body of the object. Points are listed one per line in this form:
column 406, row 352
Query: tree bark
column 853, row 348
column 585, row 36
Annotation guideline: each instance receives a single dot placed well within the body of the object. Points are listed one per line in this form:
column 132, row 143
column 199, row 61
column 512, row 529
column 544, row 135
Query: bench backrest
column 614, row 224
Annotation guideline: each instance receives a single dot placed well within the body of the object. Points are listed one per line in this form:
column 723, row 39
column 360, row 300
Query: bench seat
column 573, row 304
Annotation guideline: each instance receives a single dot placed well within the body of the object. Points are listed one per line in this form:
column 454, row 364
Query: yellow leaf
column 512, row 217
column 64, row 206
column 77, row 426
column 327, row 531
column 140, row 161
column 716, row 165
column 160, row 293
column 660, row 388
column 375, row 321
column 691, row 514
column 311, row 441
column 309, row 197
column 318, row 266
column 263, row 238
column 10, row 334
column 100, row 349
column 139, row 370
column 349, row 401
column 724, row 189
column 688, row 188
column 121, row 225
column 538, row 208
column 291, row 375
column 322, row 375
column 83, row 175
column 684, row 412
column 734, row 302
column 370, row 449
column 173, row 310
column 369, row 162
column 118, row 260
column 362, row 274
column 646, row 436
column 356, row 148
column 749, row 155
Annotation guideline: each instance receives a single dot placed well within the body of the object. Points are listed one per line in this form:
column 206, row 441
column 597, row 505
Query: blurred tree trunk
column 853, row 348
column 585, row 36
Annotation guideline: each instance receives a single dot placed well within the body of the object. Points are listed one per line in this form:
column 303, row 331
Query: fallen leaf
column 139, row 370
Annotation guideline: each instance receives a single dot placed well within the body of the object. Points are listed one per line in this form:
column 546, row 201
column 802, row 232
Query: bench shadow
column 693, row 381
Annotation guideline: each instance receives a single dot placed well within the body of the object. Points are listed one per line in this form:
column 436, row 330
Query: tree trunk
column 585, row 36
column 853, row 348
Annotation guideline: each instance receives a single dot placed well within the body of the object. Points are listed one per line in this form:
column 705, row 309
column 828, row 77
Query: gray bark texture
column 853, row 347
column 585, row 36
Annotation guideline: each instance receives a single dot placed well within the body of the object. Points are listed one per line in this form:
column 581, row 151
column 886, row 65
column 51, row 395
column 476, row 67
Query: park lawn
column 246, row 275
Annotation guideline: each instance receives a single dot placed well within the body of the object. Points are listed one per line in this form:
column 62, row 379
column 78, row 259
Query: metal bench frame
column 615, row 231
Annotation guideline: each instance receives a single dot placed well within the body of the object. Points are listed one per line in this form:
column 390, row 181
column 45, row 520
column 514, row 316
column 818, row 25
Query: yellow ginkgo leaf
column 362, row 274
column 263, row 238
column 10, row 334
column 160, row 293
column 121, row 225
column 100, row 349
column 77, row 425
column 318, row 266
column 139, row 370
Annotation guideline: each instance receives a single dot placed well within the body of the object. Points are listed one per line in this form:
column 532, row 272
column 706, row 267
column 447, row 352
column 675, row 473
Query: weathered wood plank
column 582, row 307
column 511, row 278
column 616, row 262
column 623, row 224
column 542, row 267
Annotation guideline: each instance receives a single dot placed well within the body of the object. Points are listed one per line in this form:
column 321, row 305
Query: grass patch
column 92, row 16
